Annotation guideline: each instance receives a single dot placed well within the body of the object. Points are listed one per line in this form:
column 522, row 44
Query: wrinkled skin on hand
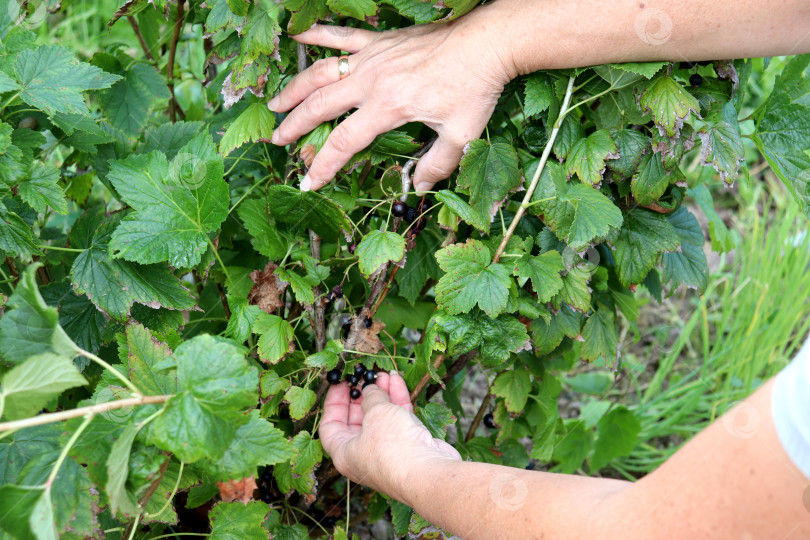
column 447, row 76
column 377, row 440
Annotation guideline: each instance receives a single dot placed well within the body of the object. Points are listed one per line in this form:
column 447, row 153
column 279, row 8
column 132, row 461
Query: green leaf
column 513, row 386
column 32, row 515
column 547, row 335
column 176, row 204
column 271, row 383
column 118, row 470
column 539, row 94
column 669, row 103
column 488, row 174
column 7, row 84
column 419, row 267
column 29, row 327
column 721, row 144
column 277, row 337
column 300, row 286
column 575, row 290
column 471, row 279
column 617, row 77
column 16, row 237
column 463, row 210
column 687, row 265
column 359, row 9
column 30, row 386
column 243, row 316
column 495, row 338
column 237, row 521
column 41, row 190
column 650, row 180
column 617, row 433
column 307, row 210
column 378, row 248
column 631, row 145
column 304, row 13
column 718, row 232
column 255, row 124
column 601, row 337
column 52, row 79
column 128, row 103
column 458, row 8
column 145, row 356
column 166, row 489
column 327, row 358
column 436, row 418
column 265, row 236
column 301, row 401
column 221, row 17
column 578, row 214
column 587, row 157
column 256, row 443
column 420, row 12
column 645, row 69
column 261, row 33
column 544, row 271
column 170, row 138
column 309, row 453
column 644, row 236
column 571, row 451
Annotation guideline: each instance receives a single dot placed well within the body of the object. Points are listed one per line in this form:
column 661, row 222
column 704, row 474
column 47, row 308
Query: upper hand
column 448, row 76
column 376, row 440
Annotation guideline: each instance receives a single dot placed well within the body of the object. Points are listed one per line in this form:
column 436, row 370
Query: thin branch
column 148, row 495
column 178, row 27
column 406, row 169
column 224, row 300
column 423, row 382
column 137, row 29
column 478, row 416
column 454, row 369
column 536, row 178
column 50, row 418
column 316, row 312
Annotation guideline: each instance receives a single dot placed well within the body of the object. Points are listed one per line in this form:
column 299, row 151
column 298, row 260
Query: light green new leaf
column 327, row 358
column 29, row 327
column 463, row 210
column 601, row 337
column 42, row 189
column 547, row 335
column 237, row 521
column 255, row 124
column 436, row 418
column 128, row 103
column 359, row 9
column 645, row 69
column 301, row 401
column 488, row 174
column 256, row 443
column 669, row 103
column 309, row 453
column 378, row 248
column 27, row 512
column 513, row 386
column 687, row 265
column 118, row 470
column 52, row 79
column 176, row 204
column 572, row 449
column 30, row 386
column 243, row 315
column 644, row 236
column 144, row 356
column 587, row 157
column 539, row 94
column 299, row 284
column 617, row 434
column 277, row 337
column 471, row 279
column 265, row 236
column 575, row 290
column 543, row 271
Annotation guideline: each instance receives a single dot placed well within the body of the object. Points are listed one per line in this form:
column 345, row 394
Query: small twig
column 406, row 169
column 50, row 418
column 540, row 166
column 303, row 61
column 224, row 300
column 178, row 27
column 137, row 29
column 425, row 379
column 316, row 312
column 13, row 269
column 478, row 416
column 142, row 502
column 454, row 369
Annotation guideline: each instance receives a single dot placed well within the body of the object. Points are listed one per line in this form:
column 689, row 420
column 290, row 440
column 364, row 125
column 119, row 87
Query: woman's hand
column 377, row 440
column 448, row 76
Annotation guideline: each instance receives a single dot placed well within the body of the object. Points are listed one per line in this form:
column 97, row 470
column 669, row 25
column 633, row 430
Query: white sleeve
column 791, row 409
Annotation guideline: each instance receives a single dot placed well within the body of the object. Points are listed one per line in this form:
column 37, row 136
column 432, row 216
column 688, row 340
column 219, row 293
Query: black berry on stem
column 489, row 421
column 411, row 214
column 353, row 379
column 359, row 369
column 695, row 80
column 355, row 393
column 333, row 377
column 399, row 208
column 369, row 376
column 368, row 322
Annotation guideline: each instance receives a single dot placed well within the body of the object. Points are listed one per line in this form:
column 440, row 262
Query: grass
column 746, row 327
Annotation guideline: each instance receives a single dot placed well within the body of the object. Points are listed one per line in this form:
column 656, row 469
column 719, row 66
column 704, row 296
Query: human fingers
column 323, row 104
column 348, row 138
column 439, row 163
column 334, row 425
column 343, row 38
column 373, row 396
column 321, row 73
column 398, row 391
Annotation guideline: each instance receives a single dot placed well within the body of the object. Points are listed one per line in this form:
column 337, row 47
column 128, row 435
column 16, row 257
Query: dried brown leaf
column 237, row 490
column 368, row 339
column 267, row 290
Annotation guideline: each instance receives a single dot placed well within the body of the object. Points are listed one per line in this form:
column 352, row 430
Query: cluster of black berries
column 695, row 79
column 360, row 372
column 411, row 214
column 267, row 493
column 334, row 294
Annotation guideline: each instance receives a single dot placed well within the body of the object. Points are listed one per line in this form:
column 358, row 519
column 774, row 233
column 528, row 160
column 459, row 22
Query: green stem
column 171, row 496
column 66, row 449
column 134, row 527
column 540, row 166
column 114, row 371
column 248, row 192
column 240, row 158
column 219, row 260
column 10, row 100
column 56, row 248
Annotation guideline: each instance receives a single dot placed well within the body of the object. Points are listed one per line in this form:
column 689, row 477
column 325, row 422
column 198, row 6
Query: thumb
column 373, row 395
column 439, row 163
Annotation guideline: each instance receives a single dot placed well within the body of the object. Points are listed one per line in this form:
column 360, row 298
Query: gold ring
column 343, row 67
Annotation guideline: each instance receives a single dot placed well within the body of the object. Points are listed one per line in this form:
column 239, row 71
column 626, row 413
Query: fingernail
column 393, row 372
column 419, row 188
column 306, row 183
column 274, row 138
column 274, row 103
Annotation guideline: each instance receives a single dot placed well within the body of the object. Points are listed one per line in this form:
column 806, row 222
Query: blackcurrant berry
column 426, row 205
column 359, row 369
column 399, row 208
column 695, row 80
column 687, row 65
column 267, row 498
column 333, row 377
column 330, row 296
column 489, row 421
column 411, row 214
column 352, row 248
column 347, row 325
column 353, row 379
column 369, row 376
column 368, row 322
column 338, row 291
column 328, row 522
column 355, row 393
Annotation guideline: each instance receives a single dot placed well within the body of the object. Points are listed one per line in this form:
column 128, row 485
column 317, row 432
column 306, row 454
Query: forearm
column 479, row 500
column 555, row 34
